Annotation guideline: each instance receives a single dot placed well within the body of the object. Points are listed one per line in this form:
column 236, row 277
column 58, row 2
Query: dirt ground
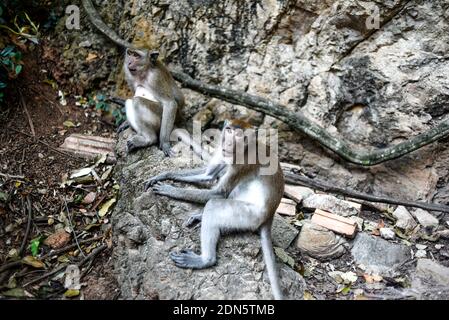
column 31, row 129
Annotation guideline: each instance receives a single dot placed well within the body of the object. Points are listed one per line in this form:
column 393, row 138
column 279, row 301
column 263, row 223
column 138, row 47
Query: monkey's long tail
column 184, row 136
column 268, row 254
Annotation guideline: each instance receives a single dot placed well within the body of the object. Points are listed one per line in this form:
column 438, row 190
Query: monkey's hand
column 166, row 148
column 163, row 189
column 150, row 182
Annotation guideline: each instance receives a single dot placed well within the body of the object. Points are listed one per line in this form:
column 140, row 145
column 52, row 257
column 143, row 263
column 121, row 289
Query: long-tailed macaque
column 143, row 69
column 145, row 73
column 242, row 199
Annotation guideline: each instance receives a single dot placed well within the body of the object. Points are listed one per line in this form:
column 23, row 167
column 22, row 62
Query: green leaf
column 346, row 290
column 5, row 52
column 18, row 68
column 34, row 246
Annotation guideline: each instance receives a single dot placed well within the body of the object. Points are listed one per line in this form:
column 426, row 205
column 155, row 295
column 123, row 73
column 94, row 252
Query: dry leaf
column 91, row 56
column 89, row 198
column 71, row 293
column 32, row 261
column 58, row 239
column 105, row 207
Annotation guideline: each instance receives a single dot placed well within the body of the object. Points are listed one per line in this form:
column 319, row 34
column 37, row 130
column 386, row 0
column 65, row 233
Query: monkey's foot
column 163, row 189
column 166, row 148
column 187, row 259
column 131, row 147
column 193, row 219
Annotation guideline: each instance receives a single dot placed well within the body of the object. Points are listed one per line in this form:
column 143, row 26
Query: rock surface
column 378, row 255
column 320, row 243
column 147, row 227
column 431, row 280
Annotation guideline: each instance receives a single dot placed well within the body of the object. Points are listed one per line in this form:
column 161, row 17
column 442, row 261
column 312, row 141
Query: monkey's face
column 233, row 141
column 137, row 61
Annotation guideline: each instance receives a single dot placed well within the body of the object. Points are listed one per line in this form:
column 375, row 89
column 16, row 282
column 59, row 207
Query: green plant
column 100, row 102
column 29, row 31
column 11, row 65
column 16, row 29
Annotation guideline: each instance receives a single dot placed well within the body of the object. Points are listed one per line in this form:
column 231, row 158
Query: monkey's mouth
column 132, row 69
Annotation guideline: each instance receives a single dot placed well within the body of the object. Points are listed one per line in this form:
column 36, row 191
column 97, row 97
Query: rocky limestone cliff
column 372, row 87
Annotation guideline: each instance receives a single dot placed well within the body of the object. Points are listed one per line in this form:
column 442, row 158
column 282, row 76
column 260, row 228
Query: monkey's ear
column 153, row 56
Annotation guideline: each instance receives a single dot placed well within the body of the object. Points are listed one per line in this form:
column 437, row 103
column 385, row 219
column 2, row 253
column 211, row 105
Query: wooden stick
column 9, row 176
column 30, row 122
column 319, row 185
column 69, row 218
column 28, row 228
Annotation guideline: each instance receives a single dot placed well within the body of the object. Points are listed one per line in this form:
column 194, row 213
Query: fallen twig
column 316, row 184
column 28, row 228
column 30, row 122
column 52, row 253
column 69, row 218
column 92, row 255
column 10, row 265
column 69, row 247
column 44, row 276
column 10, row 176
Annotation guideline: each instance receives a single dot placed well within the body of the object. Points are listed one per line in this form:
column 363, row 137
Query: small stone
column 444, row 234
column 297, row 193
column 40, row 155
column 319, row 242
column 439, row 246
column 378, row 255
column 387, row 233
column 420, row 246
column 405, row 220
column 332, row 204
column 85, row 44
column 421, row 254
column 425, row 219
column 283, row 232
